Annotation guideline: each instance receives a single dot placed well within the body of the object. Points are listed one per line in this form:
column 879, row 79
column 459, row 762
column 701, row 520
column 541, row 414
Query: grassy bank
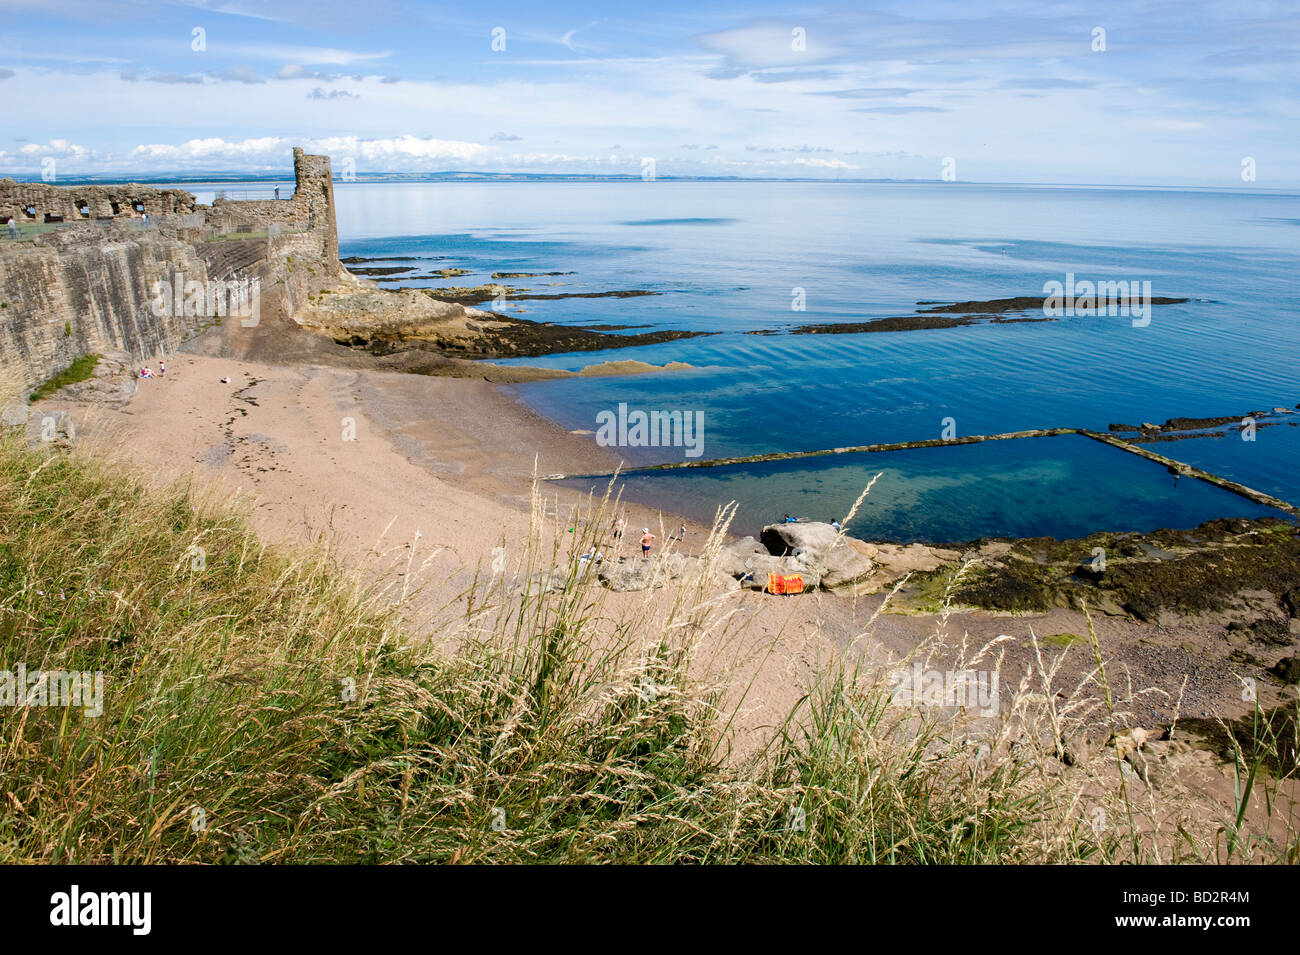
column 79, row 370
column 264, row 706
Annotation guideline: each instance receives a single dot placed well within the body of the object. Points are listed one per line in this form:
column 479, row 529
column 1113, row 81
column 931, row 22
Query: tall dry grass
column 268, row 706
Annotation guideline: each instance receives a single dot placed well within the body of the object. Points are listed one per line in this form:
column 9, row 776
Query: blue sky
column 1181, row 94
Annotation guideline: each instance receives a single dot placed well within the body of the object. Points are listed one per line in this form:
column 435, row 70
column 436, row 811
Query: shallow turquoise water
column 726, row 256
column 1064, row 486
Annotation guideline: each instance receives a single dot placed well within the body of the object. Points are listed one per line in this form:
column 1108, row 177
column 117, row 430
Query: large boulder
column 835, row 559
column 736, row 559
column 811, row 538
column 14, row 415
column 714, row 579
column 52, row 427
column 848, row 562
column 639, row 573
column 760, row 565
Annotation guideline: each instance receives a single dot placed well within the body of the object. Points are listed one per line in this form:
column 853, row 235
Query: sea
column 737, row 258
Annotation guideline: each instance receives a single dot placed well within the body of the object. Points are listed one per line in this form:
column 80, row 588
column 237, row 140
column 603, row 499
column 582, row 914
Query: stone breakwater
column 1174, row 466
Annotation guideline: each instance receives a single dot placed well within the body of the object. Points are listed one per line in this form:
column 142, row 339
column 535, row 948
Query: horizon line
column 223, row 176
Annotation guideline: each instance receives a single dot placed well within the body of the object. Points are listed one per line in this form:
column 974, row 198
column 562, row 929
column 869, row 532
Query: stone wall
column 89, row 294
column 39, row 202
column 94, row 284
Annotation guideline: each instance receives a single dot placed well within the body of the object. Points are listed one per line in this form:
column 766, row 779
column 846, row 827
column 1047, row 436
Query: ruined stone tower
column 80, row 277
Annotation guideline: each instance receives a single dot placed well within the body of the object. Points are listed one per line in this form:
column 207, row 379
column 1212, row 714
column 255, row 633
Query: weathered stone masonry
column 87, row 286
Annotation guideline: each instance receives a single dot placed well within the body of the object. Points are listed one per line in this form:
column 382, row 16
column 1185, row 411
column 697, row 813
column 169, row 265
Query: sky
column 1168, row 94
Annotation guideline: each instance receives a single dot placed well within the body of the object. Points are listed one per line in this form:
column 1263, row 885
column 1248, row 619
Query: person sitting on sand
column 146, row 372
column 225, row 379
column 646, row 540
column 834, row 523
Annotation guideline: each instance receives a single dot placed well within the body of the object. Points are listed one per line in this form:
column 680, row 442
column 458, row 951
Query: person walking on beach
column 162, row 369
column 277, row 192
column 144, row 219
column 13, row 228
column 646, row 540
column 620, row 525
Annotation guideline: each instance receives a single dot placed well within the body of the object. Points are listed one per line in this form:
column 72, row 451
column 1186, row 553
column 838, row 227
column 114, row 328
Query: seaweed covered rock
column 1009, row 588
column 1223, row 571
column 1266, row 630
column 1287, row 670
column 1291, row 602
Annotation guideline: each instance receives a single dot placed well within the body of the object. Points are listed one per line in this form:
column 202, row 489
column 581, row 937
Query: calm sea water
column 726, row 258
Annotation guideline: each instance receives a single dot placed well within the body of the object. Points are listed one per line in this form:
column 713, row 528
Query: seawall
column 130, row 268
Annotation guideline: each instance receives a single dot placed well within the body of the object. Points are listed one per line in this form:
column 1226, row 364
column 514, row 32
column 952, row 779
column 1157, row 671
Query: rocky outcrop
column 737, row 558
column 834, row 558
column 365, row 316
column 642, row 574
column 893, row 562
column 52, row 428
column 634, row 573
column 386, row 321
column 1224, row 572
column 113, row 383
column 826, row 558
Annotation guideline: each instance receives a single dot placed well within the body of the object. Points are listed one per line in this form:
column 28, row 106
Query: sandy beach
column 420, row 478
column 439, row 474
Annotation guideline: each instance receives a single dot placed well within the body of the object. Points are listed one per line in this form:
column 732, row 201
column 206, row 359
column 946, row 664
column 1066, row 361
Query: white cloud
column 304, row 54
column 823, row 163
column 59, row 148
column 392, row 154
column 212, row 149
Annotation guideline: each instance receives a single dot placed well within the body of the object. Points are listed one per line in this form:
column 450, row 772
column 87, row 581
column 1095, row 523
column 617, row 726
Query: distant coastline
column 232, row 177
